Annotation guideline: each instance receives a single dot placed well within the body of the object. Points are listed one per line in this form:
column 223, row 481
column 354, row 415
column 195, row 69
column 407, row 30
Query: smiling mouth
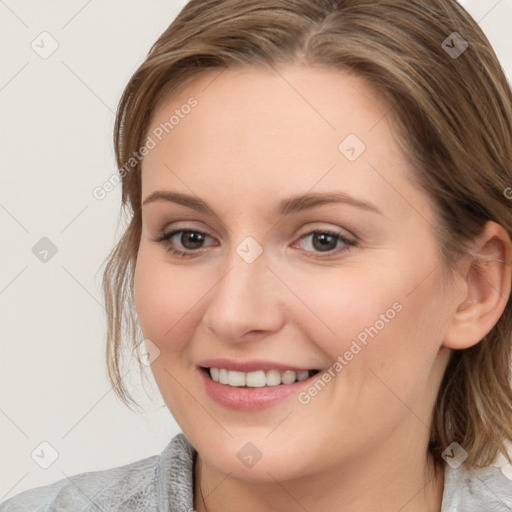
column 258, row 378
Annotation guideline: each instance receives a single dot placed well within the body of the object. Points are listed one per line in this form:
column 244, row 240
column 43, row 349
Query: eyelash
column 164, row 238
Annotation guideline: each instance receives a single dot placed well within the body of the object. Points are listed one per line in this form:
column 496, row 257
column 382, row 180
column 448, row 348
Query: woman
column 319, row 260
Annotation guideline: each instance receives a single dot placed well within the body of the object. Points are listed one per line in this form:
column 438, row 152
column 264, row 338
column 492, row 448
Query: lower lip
column 251, row 399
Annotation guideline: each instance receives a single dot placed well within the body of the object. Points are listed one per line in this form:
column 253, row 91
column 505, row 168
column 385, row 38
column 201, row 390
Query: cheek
column 167, row 300
column 343, row 306
column 377, row 320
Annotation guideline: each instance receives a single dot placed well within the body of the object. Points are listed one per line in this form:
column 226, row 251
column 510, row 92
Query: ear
column 486, row 284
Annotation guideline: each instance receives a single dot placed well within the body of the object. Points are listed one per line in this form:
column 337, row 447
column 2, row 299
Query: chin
column 258, row 461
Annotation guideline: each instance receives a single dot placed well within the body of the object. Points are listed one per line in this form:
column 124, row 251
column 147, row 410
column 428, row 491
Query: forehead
column 285, row 131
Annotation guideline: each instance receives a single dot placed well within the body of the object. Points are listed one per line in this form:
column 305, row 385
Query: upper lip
column 249, row 366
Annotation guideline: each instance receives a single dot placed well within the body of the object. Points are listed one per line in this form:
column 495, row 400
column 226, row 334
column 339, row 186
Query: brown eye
column 326, row 241
column 190, row 240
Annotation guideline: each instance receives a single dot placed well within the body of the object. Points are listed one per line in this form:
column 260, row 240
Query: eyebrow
column 286, row 206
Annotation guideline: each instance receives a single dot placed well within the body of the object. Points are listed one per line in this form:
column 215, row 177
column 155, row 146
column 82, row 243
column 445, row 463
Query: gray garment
column 164, row 483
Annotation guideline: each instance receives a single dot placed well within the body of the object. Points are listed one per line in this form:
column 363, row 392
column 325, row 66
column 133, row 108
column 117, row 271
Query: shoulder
column 80, row 491
column 123, row 488
column 474, row 490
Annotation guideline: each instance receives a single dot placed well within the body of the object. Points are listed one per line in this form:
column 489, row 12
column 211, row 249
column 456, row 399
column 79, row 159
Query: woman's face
column 353, row 288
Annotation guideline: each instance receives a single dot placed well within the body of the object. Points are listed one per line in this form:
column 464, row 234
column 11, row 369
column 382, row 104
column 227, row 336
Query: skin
column 254, row 138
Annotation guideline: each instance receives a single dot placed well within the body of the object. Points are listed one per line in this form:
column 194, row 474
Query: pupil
column 195, row 238
column 323, row 237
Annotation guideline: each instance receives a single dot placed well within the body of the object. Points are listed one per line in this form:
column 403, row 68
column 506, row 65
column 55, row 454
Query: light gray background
column 56, row 145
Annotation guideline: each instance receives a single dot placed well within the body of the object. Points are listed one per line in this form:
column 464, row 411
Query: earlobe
column 488, row 284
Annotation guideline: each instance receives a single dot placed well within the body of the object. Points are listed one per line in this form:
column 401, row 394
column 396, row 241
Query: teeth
column 288, row 377
column 214, row 374
column 273, row 377
column 254, row 379
column 236, row 378
column 223, row 376
column 257, row 379
column 304, row 374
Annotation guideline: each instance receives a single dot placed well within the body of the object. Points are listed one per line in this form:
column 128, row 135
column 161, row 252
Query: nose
column 244, row 304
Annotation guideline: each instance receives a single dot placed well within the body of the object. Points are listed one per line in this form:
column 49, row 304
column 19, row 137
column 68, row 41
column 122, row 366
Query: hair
column 453, row 120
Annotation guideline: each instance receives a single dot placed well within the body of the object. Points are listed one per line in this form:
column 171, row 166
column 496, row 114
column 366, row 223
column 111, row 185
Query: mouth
column 258, row 378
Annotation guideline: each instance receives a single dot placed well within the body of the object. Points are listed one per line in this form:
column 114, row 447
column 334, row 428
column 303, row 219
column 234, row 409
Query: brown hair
column 453, row 115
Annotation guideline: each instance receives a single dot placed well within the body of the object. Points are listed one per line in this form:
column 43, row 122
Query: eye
column 325, row 241
column 191, row 240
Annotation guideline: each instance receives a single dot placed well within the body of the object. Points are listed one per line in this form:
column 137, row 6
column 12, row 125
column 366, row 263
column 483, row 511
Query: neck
column 365, row 488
